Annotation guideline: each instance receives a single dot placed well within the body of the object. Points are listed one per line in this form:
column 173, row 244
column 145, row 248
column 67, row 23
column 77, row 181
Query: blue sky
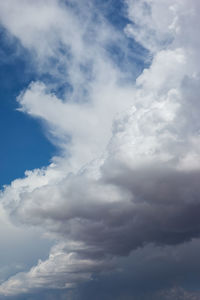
column 24, row 145
column 100, row 165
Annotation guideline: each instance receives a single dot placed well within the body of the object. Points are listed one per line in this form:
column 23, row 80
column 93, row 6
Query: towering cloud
column 127, row 181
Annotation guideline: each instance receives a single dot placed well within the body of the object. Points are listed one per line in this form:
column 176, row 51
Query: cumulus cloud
column 130, row 165
column 61, row 270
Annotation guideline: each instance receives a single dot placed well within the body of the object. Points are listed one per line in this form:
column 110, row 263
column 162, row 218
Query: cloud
column 60, row 270
column 13, row 240
column 150, row 273
column 129, row 171
column 178, row 293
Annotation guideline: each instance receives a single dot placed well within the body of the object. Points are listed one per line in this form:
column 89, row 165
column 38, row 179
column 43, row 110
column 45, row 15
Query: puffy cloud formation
column 128, row 175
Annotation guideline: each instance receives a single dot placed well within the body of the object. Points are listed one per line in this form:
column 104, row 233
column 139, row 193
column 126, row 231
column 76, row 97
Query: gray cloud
column 122, row 203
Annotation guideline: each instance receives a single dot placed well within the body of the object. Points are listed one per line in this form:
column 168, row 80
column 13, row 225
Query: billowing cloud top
column 128, row 175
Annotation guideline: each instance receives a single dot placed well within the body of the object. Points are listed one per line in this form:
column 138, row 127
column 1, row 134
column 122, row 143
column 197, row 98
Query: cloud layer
column 129, row 169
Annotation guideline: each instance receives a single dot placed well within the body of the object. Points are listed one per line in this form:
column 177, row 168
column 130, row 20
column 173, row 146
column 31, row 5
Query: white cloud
column 128, row 176
column 60, row 270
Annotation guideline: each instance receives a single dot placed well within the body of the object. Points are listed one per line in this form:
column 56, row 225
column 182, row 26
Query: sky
column 100, row 150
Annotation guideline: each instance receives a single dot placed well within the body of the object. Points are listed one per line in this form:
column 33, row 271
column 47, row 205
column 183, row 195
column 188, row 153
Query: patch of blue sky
column 114, row 11
column 59, row 81
column 61, row 87
column 55, row 72
column 126, row 53
column 23, row 144
column 129, row 57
